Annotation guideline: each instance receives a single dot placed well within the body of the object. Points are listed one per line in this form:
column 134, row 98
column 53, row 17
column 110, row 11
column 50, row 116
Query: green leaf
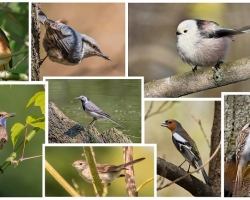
column 36, row 121
column 15, row 132
column 39, row 100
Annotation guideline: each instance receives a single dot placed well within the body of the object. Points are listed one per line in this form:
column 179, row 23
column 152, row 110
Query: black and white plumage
column 204, row 43
column 242, row 154
column 186, row 146
column 93, row 110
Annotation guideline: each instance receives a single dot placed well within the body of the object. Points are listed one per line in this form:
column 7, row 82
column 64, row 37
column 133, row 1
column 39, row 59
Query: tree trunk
column 237, row 114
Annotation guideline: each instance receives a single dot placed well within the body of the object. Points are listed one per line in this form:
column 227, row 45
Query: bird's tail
column 238, row 181
column 245, row 29
column 204, row 174
column 42, row 17
column 130, row 163
column 113, row 121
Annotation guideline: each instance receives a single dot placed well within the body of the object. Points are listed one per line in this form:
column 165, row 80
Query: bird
column 65, row 45
column 4, row 50
column 3, row 132
column 107, row 173
column 242, row 154
column 186, row 146
column 93, row 110
column 205, row 43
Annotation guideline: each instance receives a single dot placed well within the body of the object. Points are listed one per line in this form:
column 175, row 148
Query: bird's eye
column 80, row 163
column 185, row 31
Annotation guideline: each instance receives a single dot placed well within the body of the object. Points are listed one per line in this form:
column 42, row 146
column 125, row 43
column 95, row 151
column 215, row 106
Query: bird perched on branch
column 204, row 43
column 4, row 50
column 107, row 173
column 186, row 146
column 3, row 132
column 65, row 45
column 242, row 154
column 91, row 109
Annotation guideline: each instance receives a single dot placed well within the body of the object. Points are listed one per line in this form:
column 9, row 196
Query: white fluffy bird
column 204, row 43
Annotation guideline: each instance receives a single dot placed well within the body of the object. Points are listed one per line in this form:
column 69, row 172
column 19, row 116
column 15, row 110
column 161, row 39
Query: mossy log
column 65, row 130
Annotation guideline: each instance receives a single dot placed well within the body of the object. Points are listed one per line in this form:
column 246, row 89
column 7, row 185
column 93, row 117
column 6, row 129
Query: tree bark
column 215, row 164
column 237, row 114
column 64, row 130
column 35, row 37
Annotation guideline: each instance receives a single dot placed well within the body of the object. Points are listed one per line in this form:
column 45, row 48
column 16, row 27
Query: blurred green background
column 25, row 180
column 152, row 28
column 61, row 158
column 15, row 23
column 182, row 112
column 120, row 98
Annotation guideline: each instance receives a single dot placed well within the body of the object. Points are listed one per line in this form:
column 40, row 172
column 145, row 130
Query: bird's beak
column 11, row 114
column 76, row 98
column 104, row 56
column 164, row 124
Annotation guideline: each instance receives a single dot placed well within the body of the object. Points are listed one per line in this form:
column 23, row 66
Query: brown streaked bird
column 242, row 154
column 107, row 173
column 3, row 132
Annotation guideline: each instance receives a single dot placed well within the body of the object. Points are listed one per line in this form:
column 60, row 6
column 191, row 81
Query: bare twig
column 160, row 109
column 202, row 130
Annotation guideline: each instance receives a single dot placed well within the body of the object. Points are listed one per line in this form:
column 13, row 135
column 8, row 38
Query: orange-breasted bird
column 186, row 146
column 4, row 50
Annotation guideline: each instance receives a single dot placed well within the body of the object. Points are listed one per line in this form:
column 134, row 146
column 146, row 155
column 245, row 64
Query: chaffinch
column 242, row 154
column 186, row 146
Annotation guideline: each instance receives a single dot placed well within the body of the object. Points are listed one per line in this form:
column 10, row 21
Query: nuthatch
column 65, row 45
column 4, row 50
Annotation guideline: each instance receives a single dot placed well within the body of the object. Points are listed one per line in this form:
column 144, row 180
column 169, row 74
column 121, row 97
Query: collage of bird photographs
column 124, row 99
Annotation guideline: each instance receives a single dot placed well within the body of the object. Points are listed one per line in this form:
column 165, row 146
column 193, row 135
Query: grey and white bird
column 242, row 154
column 204, row 43
column 65, row 45
column 93, row 110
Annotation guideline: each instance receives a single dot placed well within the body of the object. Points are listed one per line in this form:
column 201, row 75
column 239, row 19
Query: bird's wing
column 103, row 168
column 187, row 148
column 93, row 108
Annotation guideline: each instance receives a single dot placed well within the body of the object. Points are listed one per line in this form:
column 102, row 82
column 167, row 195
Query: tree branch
column 195, row 186
column 203, row 79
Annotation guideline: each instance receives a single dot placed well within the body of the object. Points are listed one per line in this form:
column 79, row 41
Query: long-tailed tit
column 204, row 43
